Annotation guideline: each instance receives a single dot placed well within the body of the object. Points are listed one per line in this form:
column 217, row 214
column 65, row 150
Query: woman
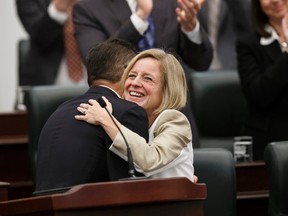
column 263, row 70
column 155, row 80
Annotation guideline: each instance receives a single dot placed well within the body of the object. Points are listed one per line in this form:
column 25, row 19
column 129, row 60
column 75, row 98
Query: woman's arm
column 168, row 140
column 172, row 134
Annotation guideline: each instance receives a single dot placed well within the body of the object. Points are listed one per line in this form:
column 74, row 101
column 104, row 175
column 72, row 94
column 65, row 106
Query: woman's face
column 144, row 84
column 274, row 9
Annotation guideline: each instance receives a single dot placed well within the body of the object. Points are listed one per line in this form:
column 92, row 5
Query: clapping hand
column 144, row 8
column 63, row 5
column 187, row 13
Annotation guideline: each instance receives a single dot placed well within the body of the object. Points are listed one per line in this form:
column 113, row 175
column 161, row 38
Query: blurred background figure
column 262, row 66
column 170, row 24
column 224, row 21
column 53, row 56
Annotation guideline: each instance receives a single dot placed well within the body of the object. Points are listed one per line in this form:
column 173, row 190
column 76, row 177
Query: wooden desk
column 13, row 124
column 171, row 197
column 252, row 180
column 252, row 189
column 4, row 186
column 14, row 163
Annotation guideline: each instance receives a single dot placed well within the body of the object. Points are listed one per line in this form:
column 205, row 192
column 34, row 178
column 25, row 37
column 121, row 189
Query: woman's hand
column 285, row 27
column 93, row 113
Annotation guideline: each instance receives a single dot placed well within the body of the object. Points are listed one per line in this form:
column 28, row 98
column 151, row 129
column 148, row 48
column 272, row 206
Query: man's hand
column 187, row 13
column 63, row 5
column 144, row 8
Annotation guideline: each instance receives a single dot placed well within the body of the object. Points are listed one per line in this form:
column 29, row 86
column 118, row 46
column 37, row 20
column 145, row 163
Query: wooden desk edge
column 253, row 195
column 107, row 194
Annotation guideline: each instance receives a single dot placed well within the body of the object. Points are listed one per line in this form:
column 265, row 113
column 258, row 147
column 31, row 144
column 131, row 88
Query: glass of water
column 243, row 151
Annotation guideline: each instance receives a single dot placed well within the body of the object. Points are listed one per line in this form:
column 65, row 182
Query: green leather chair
column 276, row 159
column 215, row 167
column 23, row 50
column 219, row 107
column 41, row 102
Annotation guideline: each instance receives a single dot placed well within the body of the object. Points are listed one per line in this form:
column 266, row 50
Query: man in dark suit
column 176, row 29
column 72, row 152
column 44, row 21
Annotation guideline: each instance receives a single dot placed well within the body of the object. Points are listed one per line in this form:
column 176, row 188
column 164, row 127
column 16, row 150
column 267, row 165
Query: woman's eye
column 131, row 75
column 148, row 78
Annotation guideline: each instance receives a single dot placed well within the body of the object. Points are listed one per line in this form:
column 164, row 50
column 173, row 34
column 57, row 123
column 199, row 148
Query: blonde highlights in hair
column 174, row 81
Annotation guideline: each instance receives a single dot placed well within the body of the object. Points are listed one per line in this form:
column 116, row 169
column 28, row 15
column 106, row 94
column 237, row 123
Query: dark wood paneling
column 252, row 189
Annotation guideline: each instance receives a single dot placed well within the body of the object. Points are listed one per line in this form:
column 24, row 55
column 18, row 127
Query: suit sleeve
column 34, row 16
column 197, row 56
column 90, row 30
column 172, row 133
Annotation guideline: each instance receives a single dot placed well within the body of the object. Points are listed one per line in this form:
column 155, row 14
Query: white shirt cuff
column 140, row 25
column 194, row 35
column 58, row 16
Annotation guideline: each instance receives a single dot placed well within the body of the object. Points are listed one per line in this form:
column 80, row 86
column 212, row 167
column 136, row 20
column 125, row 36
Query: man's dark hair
column 108, row 60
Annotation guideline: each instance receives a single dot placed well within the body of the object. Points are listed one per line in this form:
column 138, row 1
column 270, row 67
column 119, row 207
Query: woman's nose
column 137, row 81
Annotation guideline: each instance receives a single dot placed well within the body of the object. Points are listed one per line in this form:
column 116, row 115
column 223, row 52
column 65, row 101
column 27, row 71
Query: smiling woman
column 144, row 86
column 262, row 67
column 156, row 81
column 161, row 75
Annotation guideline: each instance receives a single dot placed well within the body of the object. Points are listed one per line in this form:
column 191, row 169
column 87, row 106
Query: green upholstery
column 215, row 167
column 41, row 102
column 276, row 159
column 218, row 105
column 23, row 50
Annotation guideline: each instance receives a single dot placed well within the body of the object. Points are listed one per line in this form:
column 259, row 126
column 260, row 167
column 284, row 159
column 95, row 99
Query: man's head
column 107, row 61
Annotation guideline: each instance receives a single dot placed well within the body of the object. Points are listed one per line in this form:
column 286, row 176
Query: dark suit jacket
column 46, row 45
column 97, row 20
column 263, row 73
column 73, row 152
column 234, row 20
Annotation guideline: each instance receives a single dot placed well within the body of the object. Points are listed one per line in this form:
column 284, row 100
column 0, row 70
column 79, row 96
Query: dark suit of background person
column 72, row 152
column 234, row 20
column 263, row 73
column 46, row 43
column 96, row 21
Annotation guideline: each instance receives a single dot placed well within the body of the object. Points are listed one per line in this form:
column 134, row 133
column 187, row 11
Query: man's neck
column 113, row 86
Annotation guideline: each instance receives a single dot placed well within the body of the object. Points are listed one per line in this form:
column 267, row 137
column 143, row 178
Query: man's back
column 72, row 152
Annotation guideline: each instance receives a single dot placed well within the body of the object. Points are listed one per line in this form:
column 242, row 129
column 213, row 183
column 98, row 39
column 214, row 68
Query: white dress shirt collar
column 269, row 40
column 273, row 37
column 111, row 90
